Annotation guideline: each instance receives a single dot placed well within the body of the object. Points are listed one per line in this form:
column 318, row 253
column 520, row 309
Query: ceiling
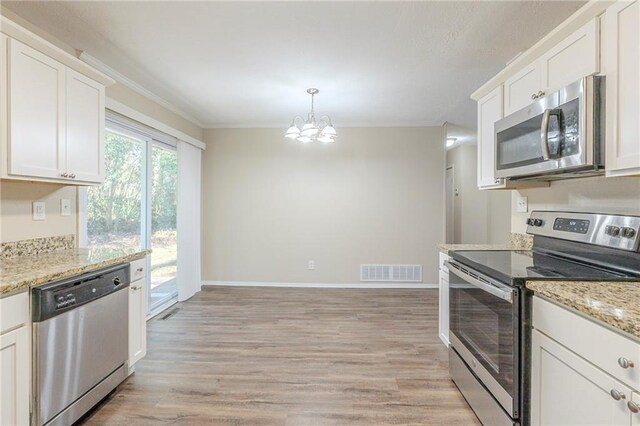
column 248, row 64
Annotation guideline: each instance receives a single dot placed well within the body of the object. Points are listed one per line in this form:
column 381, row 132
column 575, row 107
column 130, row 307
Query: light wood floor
column 281, row 356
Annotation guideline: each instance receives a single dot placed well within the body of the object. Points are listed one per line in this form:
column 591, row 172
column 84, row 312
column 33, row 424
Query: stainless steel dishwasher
column 80, row 338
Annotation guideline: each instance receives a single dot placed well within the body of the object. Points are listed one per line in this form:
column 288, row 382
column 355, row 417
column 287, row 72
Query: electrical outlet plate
column 39, row 210
column 311, row 265
column 65, row 207
column 522, row 205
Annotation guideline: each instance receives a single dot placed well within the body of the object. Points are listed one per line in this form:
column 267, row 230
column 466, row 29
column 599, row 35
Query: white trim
column 131, row 113
column 126, row 81
column 316, row 285
column 83, row 238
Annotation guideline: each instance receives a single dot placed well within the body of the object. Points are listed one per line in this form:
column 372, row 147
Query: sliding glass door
column 136, row 207
column 163, row 229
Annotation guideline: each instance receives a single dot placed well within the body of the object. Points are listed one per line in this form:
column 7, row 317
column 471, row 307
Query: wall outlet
column 522, row 205
column 65, row 207
column 311, row 265
column 39, row 210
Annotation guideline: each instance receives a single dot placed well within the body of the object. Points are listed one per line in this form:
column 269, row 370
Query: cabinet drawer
column 14, row 311
column 593, row 342
column 443, row 258
column 138, row 269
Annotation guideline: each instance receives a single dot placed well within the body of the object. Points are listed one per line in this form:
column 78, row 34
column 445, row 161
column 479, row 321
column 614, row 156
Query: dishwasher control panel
column 53, row 299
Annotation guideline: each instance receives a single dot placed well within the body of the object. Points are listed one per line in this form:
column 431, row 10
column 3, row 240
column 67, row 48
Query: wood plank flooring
column 282, row 356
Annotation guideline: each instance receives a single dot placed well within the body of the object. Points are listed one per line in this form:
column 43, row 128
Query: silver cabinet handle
column 534, row 97
column 72, row 175
column 633, row 406
column 625, row 363
column 540, row 94
column 64, row 175
column 617, row 395
column 139, row 269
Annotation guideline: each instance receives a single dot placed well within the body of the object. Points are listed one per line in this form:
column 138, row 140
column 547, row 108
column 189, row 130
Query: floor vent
column 391, row 273
column 169, row 314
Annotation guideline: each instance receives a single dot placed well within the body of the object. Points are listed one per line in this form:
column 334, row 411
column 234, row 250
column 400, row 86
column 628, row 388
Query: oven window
column 484, row 324
column 481, row 329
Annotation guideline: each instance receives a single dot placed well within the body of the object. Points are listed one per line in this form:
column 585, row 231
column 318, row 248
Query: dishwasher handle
column 483, row 283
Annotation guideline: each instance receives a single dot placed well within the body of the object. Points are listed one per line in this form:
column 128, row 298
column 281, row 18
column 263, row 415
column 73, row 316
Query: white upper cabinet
column 521, row 89
column 52, row 109
column 575, row 57
column 622, row 68
column 36, row 105
column 489, row 111
column 85, row 128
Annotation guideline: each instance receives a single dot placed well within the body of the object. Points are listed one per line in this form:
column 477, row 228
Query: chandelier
column 310, row 130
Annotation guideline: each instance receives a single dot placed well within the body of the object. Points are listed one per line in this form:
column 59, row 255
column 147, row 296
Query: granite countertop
column 616, row 304
column 445, row 248
column 518, row 242
column 23, row 272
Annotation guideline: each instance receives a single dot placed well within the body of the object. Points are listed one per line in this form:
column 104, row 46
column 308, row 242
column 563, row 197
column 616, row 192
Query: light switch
column 65, row 207
column 39, row 210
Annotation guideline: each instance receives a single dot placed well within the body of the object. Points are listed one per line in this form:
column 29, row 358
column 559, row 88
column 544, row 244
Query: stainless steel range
column 489, row 306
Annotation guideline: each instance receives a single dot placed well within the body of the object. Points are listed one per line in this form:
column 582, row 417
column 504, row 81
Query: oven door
column 553, row 134
column 483, row 330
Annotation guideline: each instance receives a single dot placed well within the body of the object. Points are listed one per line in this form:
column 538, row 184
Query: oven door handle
column 502, row 291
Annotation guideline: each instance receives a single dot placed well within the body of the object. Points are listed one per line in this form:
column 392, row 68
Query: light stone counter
column 23, row 272
column 616, row 304
column 518, row 242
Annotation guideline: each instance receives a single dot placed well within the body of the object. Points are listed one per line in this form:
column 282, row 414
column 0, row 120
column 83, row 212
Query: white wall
column 597, row 195
column 270, row 205
column 16, row 210
column 481, row 217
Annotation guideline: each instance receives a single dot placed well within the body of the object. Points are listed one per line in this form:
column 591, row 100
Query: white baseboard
column 317, row 285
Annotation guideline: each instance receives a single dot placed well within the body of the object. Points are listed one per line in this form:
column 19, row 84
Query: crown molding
column 126, row 81
column 348, row 125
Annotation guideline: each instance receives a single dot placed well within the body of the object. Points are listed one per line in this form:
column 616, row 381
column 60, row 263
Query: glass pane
column 164, row 180
column 114, row 208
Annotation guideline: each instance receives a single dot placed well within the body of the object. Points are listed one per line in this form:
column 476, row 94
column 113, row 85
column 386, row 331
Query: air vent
column 391, row 273
column 169, row 314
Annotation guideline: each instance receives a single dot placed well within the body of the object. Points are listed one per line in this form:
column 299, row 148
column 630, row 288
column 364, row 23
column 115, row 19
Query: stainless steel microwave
column 556, row 137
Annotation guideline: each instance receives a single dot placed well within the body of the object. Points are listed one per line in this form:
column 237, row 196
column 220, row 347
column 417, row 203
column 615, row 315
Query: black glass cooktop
column 518, row 266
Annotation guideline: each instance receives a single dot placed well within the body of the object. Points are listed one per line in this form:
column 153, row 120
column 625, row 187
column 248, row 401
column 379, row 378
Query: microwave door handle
column 544, row 133
column 503, row 292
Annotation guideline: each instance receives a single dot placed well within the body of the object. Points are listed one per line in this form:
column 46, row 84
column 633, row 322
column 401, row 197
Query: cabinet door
column 85, row 128
column 444, row 306
column 519, row 90
column 635, row 416
column 137, row 322
column 15, row 364
column 36, row 113
column 575, row 57
column 567, row 390
column 622, row 63
column 489, row 111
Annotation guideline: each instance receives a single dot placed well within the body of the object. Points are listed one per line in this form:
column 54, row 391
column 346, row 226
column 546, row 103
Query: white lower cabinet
column 443, row 294
column 15, row 368
column 137, row 321
column 567, row 390
column 582, row 373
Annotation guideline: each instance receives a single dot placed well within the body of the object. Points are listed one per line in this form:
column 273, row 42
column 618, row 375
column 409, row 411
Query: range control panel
column 615, row 231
